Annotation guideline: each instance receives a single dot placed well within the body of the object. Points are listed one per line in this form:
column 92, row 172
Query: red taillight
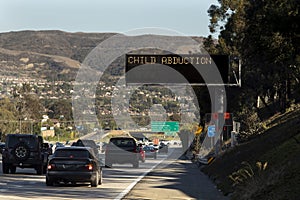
column 50, row 166
column 89, row 166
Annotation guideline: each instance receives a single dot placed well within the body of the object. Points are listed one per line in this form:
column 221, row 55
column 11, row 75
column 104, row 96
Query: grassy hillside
column 266, row 167
column 45, row 54
column 53, row 54
column 71, row 45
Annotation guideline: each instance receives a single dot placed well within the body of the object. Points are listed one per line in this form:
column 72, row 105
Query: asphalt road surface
column 166, row 177
column 117, row 181
column 178, row 180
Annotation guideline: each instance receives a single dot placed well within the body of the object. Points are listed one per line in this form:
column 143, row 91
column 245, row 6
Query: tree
column 28, row 105
column 272, row 37
column 8, row 118
column 59, row 108
column 265, row 34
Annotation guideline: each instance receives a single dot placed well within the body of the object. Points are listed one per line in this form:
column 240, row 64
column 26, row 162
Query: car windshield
column 29, row 141
column 67, row 153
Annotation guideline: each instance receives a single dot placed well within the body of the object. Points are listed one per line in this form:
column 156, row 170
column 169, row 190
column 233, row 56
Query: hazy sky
column 185, row 16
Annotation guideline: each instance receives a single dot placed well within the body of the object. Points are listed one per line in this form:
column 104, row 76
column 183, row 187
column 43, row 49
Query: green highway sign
column 170, row 133
column 161, row 126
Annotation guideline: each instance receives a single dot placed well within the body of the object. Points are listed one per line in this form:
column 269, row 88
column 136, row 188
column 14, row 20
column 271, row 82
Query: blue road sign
column 211, row 131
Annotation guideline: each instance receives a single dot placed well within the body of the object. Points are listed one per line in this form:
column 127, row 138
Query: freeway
column 117, row 182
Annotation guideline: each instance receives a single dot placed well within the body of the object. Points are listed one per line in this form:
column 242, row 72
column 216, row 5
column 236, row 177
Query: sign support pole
column 219, row 108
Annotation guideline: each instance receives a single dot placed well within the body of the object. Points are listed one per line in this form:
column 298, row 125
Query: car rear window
column 68, row 153
column 123, row 142
column 29, row 141
column 85, row 143
column 148, row 148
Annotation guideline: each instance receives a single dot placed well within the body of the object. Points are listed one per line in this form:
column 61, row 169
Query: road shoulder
column 181, row 179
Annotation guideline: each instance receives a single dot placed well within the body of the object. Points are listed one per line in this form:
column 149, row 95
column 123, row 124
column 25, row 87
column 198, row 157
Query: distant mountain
column 45, row 54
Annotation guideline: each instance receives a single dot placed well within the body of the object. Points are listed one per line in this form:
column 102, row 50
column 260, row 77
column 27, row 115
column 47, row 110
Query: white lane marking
column 8, row 197
column 124, row 192
column 127, row 190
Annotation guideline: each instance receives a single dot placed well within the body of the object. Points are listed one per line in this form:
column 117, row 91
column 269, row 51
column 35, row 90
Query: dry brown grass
column 279, row 147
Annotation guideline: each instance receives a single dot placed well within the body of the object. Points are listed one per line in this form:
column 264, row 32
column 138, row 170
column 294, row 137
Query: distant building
column 48, row 133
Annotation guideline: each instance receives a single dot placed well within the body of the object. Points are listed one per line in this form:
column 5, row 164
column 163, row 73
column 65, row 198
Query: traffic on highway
column 77, row 171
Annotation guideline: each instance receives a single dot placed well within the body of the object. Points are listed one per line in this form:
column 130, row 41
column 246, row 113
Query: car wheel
column 135, row 164
column 39, row 169
column 49, row 181
column 100, row 177
column 5, row 168
column 108, row 164
column 44, row 169
column 95, row 181
column 12, row 169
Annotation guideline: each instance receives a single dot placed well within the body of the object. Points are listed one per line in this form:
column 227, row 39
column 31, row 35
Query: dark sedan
column 150, row 151
column 163, row 148
column 72, row 165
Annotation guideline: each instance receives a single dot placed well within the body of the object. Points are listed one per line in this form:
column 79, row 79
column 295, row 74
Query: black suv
column 122, row 150
column 24, row 151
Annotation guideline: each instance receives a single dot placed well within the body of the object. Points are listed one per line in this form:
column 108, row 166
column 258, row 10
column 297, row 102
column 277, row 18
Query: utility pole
column 20, row 126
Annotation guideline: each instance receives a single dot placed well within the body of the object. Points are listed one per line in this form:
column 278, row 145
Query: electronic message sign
column 173, row 68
